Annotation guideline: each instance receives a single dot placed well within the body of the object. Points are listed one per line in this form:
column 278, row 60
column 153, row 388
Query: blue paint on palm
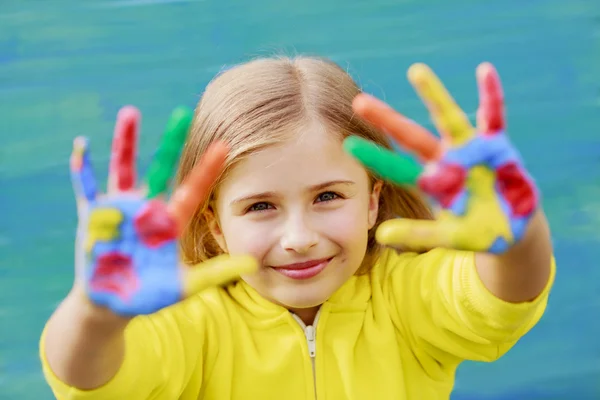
column 493, row 151
column 151, row 278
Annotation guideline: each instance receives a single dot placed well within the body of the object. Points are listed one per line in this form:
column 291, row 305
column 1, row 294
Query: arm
column 472, row 304
column 522, row 272
column 83, row 345
column 489, row 203
column 89, row 353
column 448, row 314
column 120, row 333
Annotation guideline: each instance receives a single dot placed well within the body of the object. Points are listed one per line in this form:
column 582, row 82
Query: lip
column 304, row 270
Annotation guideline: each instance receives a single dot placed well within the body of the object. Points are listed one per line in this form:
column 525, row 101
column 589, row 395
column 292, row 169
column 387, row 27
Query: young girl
column 331, row 303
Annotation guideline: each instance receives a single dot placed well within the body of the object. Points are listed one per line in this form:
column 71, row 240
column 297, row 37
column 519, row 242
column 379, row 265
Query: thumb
column 419, row 234
column 216, row 271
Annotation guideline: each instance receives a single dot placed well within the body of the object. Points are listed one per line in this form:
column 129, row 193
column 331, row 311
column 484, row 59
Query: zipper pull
column 310, row 340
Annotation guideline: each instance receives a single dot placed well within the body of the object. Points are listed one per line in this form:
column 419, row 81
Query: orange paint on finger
column 197, row 185
column 407, row 133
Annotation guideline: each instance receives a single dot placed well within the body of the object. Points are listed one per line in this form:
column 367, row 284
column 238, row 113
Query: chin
column 301, row 299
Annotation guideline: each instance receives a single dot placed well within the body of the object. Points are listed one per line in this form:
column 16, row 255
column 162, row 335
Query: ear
column 374, row 203
column 214, row 227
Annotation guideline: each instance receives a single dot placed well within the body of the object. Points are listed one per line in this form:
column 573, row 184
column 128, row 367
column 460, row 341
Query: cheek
column 347, row 226
column 244, row 236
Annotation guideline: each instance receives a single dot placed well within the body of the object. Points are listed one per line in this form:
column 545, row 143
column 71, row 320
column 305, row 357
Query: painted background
column 66, row 66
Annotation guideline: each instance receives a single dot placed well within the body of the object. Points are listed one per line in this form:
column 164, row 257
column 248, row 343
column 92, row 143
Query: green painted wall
column 66, row 66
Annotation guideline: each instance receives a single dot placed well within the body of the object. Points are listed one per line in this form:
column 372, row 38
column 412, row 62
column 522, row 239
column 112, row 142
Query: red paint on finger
column 122, row 162
column 491, row 100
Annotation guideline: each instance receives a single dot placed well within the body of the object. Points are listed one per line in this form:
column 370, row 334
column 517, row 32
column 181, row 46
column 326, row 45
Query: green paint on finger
column 169, row 149
column 387, row 164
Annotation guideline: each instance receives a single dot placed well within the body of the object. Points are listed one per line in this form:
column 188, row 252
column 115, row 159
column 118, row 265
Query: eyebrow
column 314, row 188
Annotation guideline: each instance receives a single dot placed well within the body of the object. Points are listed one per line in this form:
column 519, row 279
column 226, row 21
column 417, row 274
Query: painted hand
column 475, row 175
column 127, row 249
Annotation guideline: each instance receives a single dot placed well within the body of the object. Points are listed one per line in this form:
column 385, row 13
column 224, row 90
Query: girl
column 330, row 304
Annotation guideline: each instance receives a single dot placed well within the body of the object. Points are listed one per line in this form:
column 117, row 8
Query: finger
column 196, row 187
column 490, row 115
column 121, row 172
column 410, row 135
column 217, row 271
column 161, row 169
column 418, row 234
column 450, row 120
column 390, row 166
column 82, row 174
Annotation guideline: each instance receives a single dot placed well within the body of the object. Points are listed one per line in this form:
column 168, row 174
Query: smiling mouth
column 304, row 270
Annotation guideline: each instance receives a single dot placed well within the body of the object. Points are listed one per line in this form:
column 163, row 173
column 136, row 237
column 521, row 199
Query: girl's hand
column 475, row 175
column 127, row 252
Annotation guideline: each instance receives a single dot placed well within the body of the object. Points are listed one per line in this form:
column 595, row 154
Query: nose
column 298, row 236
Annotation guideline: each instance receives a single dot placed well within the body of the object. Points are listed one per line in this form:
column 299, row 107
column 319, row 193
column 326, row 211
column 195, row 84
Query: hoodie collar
column 352, row 296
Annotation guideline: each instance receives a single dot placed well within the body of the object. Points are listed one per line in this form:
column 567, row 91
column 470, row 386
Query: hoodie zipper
column 310, row 332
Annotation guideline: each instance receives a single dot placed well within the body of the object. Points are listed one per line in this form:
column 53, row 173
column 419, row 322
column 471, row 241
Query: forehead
column 313, row 157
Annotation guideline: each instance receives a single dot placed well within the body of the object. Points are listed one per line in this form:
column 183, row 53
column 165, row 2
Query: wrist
column 97, row 318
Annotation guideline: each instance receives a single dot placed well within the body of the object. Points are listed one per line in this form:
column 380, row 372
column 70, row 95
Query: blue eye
column 327, row 196
column 262, row 206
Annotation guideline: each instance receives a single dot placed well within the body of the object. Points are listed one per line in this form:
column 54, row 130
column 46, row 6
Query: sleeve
column 449, row 314
column 155, row 363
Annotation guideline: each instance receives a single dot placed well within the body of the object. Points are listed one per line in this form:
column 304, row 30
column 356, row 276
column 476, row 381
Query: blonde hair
column 263, row 102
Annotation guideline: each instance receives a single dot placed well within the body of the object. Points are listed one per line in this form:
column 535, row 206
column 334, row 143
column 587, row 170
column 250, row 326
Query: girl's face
column 303, row 209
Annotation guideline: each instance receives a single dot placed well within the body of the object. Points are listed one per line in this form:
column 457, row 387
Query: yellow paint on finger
column 445, row 113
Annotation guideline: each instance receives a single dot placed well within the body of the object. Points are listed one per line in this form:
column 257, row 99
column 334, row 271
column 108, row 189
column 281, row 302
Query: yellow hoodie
column 397, row 333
